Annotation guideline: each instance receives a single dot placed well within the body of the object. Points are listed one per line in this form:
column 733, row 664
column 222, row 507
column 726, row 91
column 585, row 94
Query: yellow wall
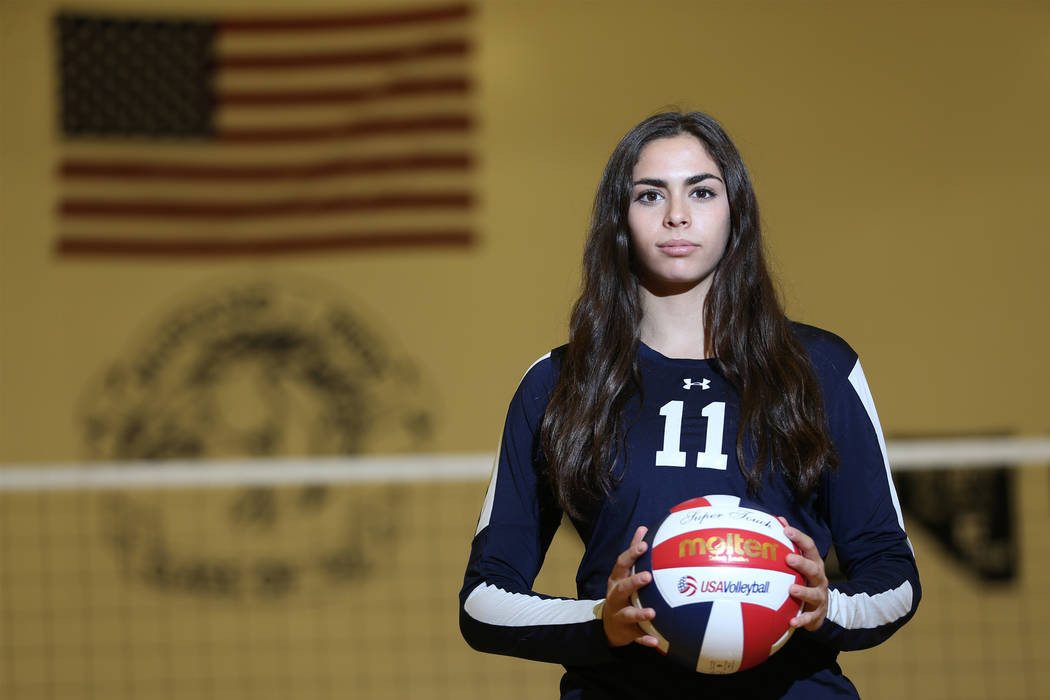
column 898, row 150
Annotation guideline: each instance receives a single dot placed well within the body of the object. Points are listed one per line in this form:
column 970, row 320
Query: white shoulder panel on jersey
column 490, row 495
column 495, row 606
column 863, row 611
column 860, row 385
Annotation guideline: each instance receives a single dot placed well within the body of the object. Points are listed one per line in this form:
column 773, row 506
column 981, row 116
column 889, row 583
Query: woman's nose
column 677, row 214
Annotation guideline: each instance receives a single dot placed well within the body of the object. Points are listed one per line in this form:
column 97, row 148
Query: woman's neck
column 673, row 324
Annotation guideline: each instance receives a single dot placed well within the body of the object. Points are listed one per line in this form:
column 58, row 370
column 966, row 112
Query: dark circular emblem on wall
column 259, row 369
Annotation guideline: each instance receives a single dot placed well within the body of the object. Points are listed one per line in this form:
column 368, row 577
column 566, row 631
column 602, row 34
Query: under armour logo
column 704, row 384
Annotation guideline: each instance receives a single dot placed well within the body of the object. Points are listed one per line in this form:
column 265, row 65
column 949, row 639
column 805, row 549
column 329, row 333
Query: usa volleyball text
column 734, row 587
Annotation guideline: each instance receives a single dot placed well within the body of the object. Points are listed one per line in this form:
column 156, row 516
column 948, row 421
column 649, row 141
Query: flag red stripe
column 323, row 59
column 345, row 21
column 372, row 127
column 153, row 170
column 87, row 208
column 282, row 98
column 195, row 247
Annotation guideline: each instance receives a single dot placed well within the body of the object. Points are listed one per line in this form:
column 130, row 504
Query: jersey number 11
column 712, row 457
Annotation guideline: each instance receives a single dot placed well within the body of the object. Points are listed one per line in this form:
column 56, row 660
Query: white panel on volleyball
column 723, row 500
column 723, row 644
column 685, row 585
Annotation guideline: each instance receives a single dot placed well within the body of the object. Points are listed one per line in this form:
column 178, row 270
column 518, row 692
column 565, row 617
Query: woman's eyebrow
column 701, row 177
column 691, row 180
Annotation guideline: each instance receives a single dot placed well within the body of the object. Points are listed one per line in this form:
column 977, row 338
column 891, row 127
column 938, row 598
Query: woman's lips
column 677, row 247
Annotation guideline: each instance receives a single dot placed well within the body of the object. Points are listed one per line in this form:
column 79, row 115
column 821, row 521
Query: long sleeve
column 881, row 591
column 499, row 611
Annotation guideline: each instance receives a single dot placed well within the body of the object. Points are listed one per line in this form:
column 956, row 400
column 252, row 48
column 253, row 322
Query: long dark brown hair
column 745, row 332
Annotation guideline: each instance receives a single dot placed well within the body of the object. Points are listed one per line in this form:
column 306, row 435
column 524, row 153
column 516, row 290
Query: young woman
column 682, row 377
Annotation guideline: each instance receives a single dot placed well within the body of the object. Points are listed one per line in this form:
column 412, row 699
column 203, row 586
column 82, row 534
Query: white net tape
column 903, row 454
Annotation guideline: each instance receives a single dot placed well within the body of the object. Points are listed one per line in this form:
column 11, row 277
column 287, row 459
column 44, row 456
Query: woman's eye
column 648, row 196
column 703, row 193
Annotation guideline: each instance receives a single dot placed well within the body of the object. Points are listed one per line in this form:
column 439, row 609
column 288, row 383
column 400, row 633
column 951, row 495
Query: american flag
column 265, row 135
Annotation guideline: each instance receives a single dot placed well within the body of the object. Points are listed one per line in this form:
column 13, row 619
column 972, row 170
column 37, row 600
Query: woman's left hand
column 814, row 596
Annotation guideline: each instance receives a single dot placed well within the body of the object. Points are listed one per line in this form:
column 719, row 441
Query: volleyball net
column 329, row 578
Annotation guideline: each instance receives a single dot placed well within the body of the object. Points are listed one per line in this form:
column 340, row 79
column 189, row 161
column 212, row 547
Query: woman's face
column 678, row 215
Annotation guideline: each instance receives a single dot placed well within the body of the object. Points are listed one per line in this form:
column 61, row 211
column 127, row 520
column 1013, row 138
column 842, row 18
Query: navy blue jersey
column 680, row 442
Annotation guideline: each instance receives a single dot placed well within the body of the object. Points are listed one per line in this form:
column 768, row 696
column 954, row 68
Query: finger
column 810, row 620
column 622, row 567
column 633, row 614
column 804, row 542
column 812, row 597
column 621, row 589
column 812, row 571
column 648, row 640
column 629, row 556
column 624, row 587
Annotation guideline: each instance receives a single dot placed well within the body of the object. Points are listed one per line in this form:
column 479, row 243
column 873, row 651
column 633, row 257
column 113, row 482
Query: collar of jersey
column 647, row 353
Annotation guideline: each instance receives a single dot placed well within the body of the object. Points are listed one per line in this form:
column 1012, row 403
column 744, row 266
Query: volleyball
column 720, row 584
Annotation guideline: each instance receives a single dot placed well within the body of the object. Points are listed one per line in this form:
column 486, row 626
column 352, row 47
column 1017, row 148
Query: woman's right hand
column 620, row 617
